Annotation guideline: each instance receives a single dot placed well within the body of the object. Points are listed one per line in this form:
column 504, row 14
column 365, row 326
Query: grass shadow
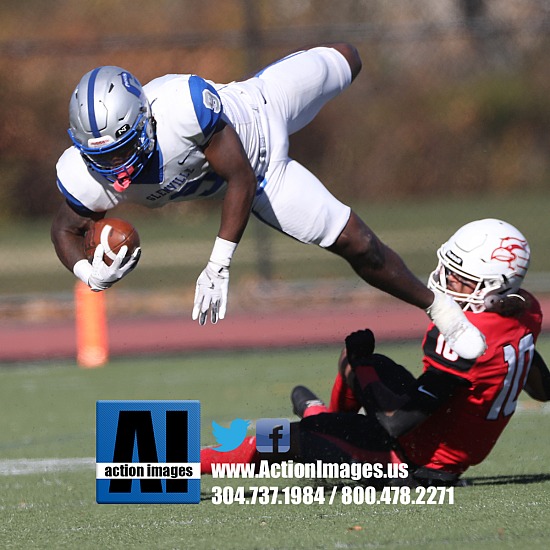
column 521, row 479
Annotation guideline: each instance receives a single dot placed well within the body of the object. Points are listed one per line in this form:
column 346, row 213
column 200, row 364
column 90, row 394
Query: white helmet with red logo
column 491, row 255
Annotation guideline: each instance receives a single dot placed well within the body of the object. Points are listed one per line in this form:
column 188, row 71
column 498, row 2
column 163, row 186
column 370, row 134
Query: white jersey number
column 519, row 363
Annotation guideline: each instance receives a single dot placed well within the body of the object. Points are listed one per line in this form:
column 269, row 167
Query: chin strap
column 124, row 179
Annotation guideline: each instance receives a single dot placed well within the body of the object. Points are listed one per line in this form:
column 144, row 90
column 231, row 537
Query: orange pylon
column 92, row 343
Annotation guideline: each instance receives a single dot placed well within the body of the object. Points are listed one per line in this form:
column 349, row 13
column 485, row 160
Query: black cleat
column 302, row 398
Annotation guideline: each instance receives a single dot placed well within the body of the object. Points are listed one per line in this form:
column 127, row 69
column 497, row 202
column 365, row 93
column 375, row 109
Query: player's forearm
column 236, row 208
column 433, row 389
column 68, row 243
column 69, row 247
column 67, row 234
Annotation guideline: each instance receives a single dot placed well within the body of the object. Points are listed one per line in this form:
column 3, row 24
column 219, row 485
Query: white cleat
column 463, row 337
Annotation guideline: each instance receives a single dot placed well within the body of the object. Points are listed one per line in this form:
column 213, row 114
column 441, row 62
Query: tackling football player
column 451, row 416
column 181, row 137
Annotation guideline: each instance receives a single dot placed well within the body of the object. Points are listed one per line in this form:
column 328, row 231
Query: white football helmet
column 111, row 124
column 491, row 255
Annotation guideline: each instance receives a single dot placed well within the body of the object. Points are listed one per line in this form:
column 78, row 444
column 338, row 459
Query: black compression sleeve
column 433, row 388
column 538, row 380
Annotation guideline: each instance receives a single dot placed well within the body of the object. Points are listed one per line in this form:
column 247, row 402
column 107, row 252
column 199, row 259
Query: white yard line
column 27, row 466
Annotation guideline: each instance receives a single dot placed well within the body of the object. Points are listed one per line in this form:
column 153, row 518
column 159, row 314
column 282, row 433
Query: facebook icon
column 273, row 435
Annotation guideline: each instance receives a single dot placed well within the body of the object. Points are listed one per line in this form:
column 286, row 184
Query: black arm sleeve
column 538, row 380
column 433, row 388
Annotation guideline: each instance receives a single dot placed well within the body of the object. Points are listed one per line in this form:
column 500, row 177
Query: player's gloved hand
column 103, row 276
column 359, row 346
column 463, row 337
column 213, row 283
column 211, row 293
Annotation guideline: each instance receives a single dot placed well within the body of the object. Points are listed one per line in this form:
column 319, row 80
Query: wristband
column 222, row 252
column 83, row 269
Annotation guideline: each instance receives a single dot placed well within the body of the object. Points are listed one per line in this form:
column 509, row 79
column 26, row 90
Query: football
column 113, row 234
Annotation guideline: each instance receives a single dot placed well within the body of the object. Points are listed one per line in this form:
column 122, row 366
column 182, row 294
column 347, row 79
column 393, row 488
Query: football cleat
column 303, row 398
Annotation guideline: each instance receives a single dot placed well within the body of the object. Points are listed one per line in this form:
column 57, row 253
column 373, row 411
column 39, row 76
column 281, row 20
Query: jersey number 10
column 519, row 364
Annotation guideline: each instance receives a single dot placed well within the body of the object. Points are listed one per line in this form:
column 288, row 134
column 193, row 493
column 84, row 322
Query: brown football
column 113, row 234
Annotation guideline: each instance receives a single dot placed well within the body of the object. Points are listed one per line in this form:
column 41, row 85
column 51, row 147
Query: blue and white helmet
column 490, row 255
column 111, row 124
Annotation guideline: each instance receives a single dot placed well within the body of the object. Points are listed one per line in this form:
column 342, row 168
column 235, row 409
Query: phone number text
column 358, row 495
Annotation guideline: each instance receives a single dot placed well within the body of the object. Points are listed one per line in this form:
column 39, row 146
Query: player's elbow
column 537, row 385
column 538, row 394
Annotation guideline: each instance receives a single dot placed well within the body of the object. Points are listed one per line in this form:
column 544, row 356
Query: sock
column 312, row 410
column 245, row 453
column 342, row 398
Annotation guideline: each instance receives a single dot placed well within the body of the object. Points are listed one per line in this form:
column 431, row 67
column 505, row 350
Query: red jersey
column 464, row 430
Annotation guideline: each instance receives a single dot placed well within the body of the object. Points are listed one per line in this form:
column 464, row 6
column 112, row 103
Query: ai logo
column 148, row 452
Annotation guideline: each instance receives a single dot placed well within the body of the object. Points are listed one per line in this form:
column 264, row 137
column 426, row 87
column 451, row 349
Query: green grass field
column 48, row 412
column 47, row 440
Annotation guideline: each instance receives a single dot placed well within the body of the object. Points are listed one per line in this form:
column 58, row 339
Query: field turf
column 47, row 450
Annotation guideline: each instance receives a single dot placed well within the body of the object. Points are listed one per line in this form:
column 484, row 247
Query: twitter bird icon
column 230, row 438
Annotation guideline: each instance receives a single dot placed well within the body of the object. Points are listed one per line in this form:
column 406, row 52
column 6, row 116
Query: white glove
column 211, row 293
column 213, row 284
column 103, row 276
column 463, row 337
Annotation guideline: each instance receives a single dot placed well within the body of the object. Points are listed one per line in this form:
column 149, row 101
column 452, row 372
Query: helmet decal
column 100, row 141
column 131, row 84
column 122, row 130
column 453, row 257
column 512, row 251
